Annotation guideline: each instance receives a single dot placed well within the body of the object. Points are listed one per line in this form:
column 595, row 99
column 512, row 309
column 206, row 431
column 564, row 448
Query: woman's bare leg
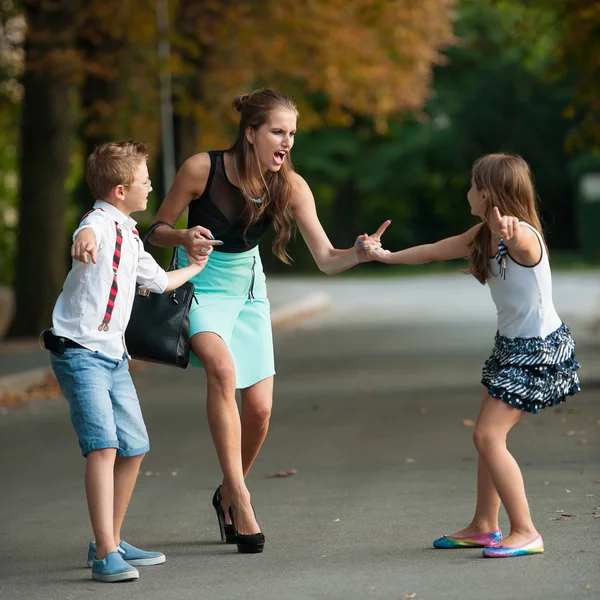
column 257, row 401
column 225, row 426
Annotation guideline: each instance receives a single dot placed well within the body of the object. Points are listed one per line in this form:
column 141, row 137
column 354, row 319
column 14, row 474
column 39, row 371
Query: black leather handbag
column 159, row 327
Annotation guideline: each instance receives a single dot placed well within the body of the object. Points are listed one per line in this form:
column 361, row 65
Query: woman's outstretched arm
column 330, row 260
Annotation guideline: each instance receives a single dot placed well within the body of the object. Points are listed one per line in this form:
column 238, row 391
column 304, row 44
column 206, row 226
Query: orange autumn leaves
column 371, row 58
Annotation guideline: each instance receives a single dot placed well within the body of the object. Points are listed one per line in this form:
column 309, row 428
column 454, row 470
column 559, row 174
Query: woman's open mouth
column 279, row 157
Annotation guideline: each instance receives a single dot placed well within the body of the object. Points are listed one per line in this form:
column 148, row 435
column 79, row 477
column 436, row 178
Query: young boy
column 88, row 352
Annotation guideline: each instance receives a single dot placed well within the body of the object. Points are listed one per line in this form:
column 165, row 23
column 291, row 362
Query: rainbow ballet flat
column 481, row 540
column 536, row 546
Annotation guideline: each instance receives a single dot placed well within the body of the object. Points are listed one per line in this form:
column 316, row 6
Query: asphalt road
column 370, row 416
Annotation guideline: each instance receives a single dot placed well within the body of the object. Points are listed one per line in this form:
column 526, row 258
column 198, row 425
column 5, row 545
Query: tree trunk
column 45, row 156
column 100, row 89
column 344, row 219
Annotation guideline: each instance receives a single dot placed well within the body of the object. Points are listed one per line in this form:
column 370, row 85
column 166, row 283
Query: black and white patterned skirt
column 532, row 373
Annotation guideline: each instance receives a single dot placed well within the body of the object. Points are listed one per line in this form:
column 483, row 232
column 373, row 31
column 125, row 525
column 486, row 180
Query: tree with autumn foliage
column 361, row 57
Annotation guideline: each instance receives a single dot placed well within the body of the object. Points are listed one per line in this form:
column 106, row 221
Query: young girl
column 533, row 362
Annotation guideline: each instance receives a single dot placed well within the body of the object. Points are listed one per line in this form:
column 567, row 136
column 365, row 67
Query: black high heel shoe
column 227, row 531
column 252, row 543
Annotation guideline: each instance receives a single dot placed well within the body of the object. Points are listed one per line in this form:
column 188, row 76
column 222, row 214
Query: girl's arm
column 189, row 183
column 521, row 241
column 446, row 249
column 329, row 259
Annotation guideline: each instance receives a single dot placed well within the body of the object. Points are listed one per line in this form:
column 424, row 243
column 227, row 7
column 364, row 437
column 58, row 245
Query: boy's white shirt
column 81, row 306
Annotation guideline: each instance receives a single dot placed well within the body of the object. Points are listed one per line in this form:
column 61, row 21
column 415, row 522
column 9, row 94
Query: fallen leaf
column 336, row 520
column 597, row 480
column 561, row 519
column 48, row 388
column 583, row 441
column 568, row 515
column 287, row 473
column 546, row 483
column 568, row 491
column 589, row 586
column 410, row 596
column 410, row 460
column 174, row 473
column 468, row 422
column 596, row 516
column 560, row 510
column 598, row 422
column 571, row 432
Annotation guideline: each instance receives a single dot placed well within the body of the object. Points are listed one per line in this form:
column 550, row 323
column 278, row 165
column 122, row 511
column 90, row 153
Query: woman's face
column 273, row 141
column 477, row 200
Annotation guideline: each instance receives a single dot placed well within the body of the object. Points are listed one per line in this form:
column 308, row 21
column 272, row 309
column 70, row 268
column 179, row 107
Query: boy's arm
column 180, row 276
column 154, row 278
column 446, row 249
column 85, row 244
column 88, row 237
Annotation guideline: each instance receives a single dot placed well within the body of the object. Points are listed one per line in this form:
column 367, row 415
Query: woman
column 236, row 196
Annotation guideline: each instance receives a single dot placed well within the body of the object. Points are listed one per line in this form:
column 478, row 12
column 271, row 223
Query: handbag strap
column 173, row 264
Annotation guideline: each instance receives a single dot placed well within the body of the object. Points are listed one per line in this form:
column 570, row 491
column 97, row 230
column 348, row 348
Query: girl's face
column 273, row 141
column 477, row 200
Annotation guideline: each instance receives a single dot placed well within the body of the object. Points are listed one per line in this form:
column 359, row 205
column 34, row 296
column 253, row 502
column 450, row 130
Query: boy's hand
column 199, row 260
column 506, row 226
column 370, row 241
column 84, row 244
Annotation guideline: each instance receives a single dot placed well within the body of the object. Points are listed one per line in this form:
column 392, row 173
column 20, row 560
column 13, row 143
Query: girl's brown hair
column 506, row 178
column 275, row 189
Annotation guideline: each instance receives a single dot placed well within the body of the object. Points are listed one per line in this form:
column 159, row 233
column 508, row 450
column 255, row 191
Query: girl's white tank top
column 524, row 298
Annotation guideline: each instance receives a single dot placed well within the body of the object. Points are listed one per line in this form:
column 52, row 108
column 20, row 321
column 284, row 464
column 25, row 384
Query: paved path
column 370, row 414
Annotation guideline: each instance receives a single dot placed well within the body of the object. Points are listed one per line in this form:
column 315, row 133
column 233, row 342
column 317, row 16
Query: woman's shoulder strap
column 215, row 156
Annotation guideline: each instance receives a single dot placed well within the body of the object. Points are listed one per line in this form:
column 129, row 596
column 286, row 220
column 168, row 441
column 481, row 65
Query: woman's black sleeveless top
column 222, row 209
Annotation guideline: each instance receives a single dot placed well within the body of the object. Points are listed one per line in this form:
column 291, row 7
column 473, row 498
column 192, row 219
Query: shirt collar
column 114, row 213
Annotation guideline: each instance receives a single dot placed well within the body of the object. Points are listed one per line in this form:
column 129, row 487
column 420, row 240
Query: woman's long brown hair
column 276, row 188
column 507, row 181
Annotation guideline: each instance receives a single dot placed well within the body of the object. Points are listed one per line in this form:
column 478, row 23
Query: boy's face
column 135, row 194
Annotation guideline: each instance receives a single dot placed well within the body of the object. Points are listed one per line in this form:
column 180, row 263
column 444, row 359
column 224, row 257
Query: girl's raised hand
column 506, row 227
column 365, row 245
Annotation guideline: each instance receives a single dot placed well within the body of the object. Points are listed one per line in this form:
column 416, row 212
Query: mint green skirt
column 231, row 292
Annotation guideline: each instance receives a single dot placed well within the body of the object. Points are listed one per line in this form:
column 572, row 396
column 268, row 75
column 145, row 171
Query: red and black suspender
column 114, row 288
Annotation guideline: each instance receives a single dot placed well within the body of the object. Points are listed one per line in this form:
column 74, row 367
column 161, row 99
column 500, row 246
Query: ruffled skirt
column 532, row 373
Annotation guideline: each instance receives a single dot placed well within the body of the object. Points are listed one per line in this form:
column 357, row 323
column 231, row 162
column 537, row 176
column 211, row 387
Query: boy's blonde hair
column 113, row 164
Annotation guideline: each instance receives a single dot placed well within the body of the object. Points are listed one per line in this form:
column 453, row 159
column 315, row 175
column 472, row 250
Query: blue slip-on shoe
column 132, row 555
column 113, row 568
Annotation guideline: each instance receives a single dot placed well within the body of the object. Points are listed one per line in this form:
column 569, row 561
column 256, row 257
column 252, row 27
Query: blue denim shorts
column 105, row 410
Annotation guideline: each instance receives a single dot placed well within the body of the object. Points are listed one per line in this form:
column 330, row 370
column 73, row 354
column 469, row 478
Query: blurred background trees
column 397, row 98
